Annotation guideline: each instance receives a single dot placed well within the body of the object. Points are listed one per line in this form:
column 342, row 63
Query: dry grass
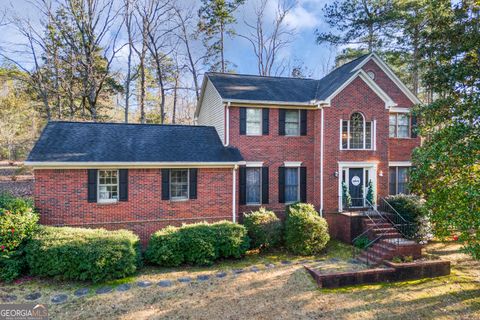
column 286, row 292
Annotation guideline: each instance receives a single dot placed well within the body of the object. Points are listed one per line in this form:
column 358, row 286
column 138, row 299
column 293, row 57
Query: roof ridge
column 258, row 76
column 129, row 123
column 347, row 63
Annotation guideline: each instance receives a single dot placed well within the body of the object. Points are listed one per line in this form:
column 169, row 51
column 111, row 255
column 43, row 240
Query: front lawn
column 284, row 290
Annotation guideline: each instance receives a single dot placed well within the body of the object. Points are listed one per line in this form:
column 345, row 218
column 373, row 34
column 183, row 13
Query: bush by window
column 83, row 254
column 264, row 228
column 306, row 233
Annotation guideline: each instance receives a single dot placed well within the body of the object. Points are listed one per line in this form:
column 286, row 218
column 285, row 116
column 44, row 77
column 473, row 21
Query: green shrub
column 18, row 222
column 361, row 242
column 83, row 254
column 410, row 207
column 197, row 244
column 164, row 248
column 306, row 233
column 264, row 228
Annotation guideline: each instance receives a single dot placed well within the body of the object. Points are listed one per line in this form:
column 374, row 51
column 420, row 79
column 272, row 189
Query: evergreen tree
column 216, row 16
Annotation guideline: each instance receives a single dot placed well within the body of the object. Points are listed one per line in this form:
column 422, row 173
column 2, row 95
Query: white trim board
column 388, row 71
column 399, row 163
column 127, row 165
column 292, row 164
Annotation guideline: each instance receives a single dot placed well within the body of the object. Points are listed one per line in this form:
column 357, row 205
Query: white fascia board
column 311, row 104
column 399, row 163
column 372, row 84
column 388, row 71
column 126, row 165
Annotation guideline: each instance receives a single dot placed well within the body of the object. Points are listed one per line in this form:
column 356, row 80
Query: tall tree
column 359, row 22
column 267, row 39
column 447, row 165
column 216, row 17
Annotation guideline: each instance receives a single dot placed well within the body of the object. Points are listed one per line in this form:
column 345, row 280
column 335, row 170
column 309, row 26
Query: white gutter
column 269, row 102
column 116, row 164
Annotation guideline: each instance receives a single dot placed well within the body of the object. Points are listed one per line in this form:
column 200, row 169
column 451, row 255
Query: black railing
column 406, row 228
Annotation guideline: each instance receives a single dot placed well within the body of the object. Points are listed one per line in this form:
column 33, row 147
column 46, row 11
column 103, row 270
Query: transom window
column 179, row 184
column 254, row 122
column 356, row 133
column 253, row 191
column 292, row 191
column 399, row 125
column 398, row 179
column 292, row 122
column 107, row 186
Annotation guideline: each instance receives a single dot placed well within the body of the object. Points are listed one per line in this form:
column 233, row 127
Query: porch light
column 380, row 173
column 336, row 174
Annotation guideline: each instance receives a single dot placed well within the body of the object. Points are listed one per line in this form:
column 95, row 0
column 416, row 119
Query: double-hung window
column 107, row 186
column 254, row 122
column 253, row 185
column 356, row 133
column 398, row 177
column 399, row 125
column 179, row 184
column 292, row 190
column 292, row 122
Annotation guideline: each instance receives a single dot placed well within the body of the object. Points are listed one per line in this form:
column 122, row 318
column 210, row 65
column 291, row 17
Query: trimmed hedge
column 264, row 228
column 306, row 233
column 197, row 244
column 83, row 254
column 18, row 222
column 409, row 206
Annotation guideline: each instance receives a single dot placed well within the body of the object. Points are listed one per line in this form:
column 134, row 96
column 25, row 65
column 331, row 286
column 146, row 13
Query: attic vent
column 371, row 74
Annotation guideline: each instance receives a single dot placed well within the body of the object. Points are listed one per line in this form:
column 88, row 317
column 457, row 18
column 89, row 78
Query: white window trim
column 299, row 124
column 292, row 164
column 98, row 188
column 175, row 199
column 246, row 123
column 396, row 126
column 260, row 181
column 399, row 163
column 253, row 164
column 298, row 183
column 373, row 131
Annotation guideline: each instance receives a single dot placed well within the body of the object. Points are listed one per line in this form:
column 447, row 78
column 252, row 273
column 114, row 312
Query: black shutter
column 413, row 129
column 165, row 184
column 303, row 122
column 92, row 185
column 193, row 183
column 303, row 184
column 243, row 121
column 281, row 122
column 123, row 179
column 264, row 184
column 265, row 122
column 242, row 179
column 281, row 184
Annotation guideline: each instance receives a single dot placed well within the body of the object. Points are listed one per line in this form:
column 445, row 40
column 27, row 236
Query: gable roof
column 299, row 91
column 88, row 142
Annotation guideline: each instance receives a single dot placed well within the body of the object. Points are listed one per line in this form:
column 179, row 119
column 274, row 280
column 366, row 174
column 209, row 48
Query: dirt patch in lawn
column 285, row 291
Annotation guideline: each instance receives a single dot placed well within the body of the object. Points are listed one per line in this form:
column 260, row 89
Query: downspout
column 321, row 161
column 227, row 125
column 234, row 194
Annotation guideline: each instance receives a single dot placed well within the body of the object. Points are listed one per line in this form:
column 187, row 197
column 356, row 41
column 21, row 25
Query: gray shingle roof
column 118, row 142
column 281, row 89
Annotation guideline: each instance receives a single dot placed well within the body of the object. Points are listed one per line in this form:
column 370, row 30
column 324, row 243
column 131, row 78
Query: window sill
column 106, row 203
column 396, row 138
column 179, row 200
column 357, row 150
column 253, row 204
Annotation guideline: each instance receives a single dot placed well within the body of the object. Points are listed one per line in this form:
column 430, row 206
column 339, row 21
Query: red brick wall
column 356, row 97
column 61, row 197
column 274, row 150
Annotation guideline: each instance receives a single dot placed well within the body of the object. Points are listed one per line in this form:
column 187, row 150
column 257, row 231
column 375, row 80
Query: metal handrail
column 395, row 211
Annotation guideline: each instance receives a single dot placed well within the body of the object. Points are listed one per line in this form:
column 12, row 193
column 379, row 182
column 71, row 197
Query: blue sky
column 305, row 17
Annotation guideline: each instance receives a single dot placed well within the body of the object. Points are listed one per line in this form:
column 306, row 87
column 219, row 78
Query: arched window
column 357, row 125
column 356, row 132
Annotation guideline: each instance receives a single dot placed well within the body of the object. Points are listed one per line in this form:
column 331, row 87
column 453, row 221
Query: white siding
column 212, row 111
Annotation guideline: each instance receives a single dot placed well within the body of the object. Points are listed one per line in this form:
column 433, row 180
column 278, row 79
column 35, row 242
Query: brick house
column 260, row 141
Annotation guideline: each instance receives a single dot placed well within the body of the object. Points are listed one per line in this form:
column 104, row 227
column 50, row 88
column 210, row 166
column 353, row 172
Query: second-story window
column 356, row 133
column 292, row 122
column 399, row 125
column 254, row 122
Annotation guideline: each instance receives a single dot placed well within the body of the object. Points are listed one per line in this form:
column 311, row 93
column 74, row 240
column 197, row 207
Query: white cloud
column 300, row 18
